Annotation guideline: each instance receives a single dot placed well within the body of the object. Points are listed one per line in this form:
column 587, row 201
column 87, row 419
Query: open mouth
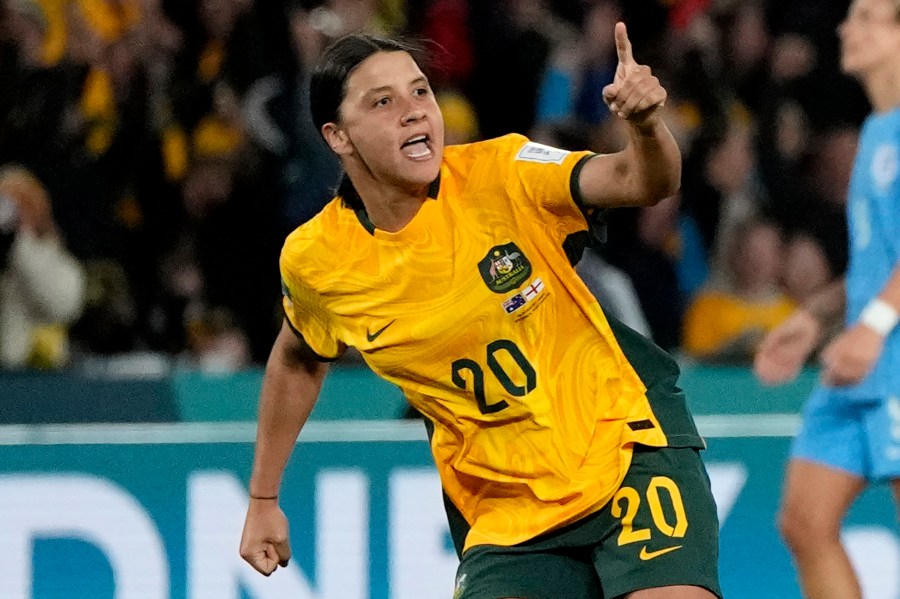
column 417, row 147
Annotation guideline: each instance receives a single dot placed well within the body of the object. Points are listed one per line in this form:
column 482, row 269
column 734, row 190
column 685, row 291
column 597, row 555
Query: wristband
column 265, row 498
column 879, row 316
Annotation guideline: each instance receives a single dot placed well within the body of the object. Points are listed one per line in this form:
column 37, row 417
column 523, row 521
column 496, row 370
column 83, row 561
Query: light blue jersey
column 857, row 429
column 873, row 217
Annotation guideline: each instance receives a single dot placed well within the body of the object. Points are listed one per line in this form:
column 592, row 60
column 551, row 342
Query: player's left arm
column 852, row 355
column 648, row 170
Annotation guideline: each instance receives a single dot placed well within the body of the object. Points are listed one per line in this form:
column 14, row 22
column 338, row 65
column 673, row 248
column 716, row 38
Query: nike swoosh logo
column 373, row 336
column 648, row 555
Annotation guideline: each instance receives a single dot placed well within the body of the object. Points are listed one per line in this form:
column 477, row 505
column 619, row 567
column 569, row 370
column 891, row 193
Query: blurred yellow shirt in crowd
column 110, row 20
column 716, row 319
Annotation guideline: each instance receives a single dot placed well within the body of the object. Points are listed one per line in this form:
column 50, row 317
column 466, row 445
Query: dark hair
column 328, row 82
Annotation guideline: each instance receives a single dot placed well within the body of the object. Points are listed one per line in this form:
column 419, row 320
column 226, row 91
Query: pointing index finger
column 623, row 44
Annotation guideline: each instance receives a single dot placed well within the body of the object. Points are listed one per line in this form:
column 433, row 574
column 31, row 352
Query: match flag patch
column 535, row 152
column 518, row 300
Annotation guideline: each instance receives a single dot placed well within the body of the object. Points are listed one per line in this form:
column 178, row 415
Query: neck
column 883, row 88
column 390, row 207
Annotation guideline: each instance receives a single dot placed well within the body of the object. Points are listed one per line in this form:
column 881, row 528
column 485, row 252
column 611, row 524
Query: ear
column 337, row 139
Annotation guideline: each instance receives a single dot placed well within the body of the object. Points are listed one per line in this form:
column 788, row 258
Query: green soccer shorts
column 660, row 529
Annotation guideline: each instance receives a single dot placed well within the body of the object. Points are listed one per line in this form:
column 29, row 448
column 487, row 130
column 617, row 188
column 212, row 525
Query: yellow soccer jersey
column 475, row 311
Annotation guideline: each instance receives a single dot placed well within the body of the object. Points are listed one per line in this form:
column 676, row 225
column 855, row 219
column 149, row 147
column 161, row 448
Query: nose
column 413, row 115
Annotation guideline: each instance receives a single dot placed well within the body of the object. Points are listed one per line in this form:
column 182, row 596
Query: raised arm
column 648, row 170
column 291, row 386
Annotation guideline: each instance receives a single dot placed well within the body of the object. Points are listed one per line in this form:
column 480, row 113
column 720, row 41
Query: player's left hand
column 851, row 356
column 635, row 93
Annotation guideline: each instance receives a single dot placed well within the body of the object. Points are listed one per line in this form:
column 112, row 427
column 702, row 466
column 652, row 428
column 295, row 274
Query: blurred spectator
column 446, row 25
column 215, row 343
column 747, row 42
column 513, row 40
column 695, row 58
column 339, row 17
column 175, row 142
column 614, row 291
column 228, row 195
column 41, row 284
column 581, row 66
column 806, row 268
column 108, row 324
column 674, row 235
column 661, row 252
column 719, row 189
column 36, row 89
column 804, row 60
column 312, row 170
column 727, row 319
column 242, row 65
column 816, row 184
column 784, row 150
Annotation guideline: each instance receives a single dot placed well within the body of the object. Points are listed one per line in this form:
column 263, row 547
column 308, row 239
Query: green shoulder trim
column 433, row 190
column 596, row 217
column 307, row 352
column 574, row 186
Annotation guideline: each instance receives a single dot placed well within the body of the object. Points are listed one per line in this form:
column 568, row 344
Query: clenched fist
column 264, row 543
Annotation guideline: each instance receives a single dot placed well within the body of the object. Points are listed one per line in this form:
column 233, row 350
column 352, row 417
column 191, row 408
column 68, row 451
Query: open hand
column 785, row 349
column 851, row 356
column 635, row 93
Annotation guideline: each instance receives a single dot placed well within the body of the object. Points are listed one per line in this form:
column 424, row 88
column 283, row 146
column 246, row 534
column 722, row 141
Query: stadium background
column 169, row 138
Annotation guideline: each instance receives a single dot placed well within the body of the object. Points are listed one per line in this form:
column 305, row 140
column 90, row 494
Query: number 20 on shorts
column 627, row 502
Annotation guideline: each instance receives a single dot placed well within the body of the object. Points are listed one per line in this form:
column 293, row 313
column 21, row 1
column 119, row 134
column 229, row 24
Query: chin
column 858, row 64
column 850, row 67
column 426, row 171
column 425, row 177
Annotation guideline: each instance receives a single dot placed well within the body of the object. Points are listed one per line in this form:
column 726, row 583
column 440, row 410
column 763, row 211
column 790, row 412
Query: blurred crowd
column 155, row 153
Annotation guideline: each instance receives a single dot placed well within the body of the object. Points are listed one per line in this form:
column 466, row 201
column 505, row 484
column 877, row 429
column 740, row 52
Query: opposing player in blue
column 851, row 423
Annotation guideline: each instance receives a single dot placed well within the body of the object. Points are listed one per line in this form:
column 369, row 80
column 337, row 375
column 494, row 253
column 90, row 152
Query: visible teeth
column 424, row 152
column 415, row 140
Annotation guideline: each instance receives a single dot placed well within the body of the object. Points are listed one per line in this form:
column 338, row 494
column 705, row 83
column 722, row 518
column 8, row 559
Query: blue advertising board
column 156, row 511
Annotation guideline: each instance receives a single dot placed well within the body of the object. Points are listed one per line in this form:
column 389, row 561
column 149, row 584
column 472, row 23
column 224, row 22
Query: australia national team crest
column 504, row 268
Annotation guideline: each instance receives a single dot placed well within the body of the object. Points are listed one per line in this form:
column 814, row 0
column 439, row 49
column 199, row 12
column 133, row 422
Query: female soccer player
column 565, row 450
column 851, row 423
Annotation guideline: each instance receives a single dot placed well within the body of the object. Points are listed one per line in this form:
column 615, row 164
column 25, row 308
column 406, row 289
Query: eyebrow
column 384, row 88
